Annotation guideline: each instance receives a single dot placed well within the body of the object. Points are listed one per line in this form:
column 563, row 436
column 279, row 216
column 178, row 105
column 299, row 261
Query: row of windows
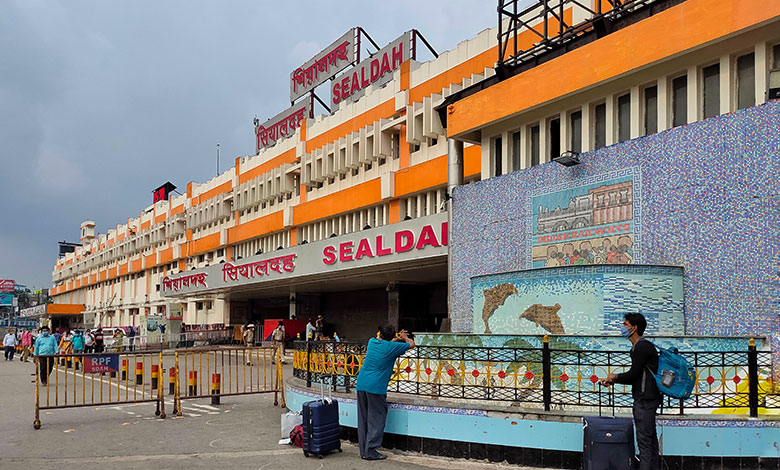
column 707, row 79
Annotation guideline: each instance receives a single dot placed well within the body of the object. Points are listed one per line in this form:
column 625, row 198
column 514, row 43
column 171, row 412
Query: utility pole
column 217, row 159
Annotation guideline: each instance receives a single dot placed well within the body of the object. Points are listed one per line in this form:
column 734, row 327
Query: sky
column 102, row 101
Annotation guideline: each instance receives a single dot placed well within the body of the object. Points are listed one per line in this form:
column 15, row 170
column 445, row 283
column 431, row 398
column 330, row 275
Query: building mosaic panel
column 708, row 204
column 578, row 299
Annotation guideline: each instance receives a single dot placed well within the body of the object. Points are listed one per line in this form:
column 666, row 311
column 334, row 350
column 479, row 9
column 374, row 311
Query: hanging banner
column 377, row 69
column 321, row 67
column 7, row 285
column 283, row 124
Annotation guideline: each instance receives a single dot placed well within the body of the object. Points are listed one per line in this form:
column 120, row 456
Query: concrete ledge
column 445, row 428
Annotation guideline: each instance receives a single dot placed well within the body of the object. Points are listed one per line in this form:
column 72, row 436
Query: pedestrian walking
column 371, row 388
column 89, row 342
column 9, row 344
column 647, row 397
column 319, row 328
column 26, row 344
column 99, row 343
column 119, row 338
column 249, row 340
column 77, row 341
column 45, row 345
column 131, row 338
column 310, row 329
column 279, row 335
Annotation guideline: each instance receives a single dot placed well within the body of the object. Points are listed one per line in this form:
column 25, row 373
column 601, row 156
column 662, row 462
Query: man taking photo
column 647, row 398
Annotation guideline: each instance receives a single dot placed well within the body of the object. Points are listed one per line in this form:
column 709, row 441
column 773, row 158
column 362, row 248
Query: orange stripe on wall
column 122, row 269
column 160, row 218
column 204, row 244
column 151, row 260
column 266, row 224
column 166, row 256
column 688, row 25
column 136, row 265
column 146, row 225
column 55, row 309
column 285, row 157
column 225, row 187
column 362, row 195
column 383, row 110
column 395, row 211
column 472, row 160
column 421, row 176
column 177, row 210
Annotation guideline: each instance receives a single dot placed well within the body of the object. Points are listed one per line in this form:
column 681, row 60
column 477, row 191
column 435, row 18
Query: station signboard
column 283, row 124
column 323, row 66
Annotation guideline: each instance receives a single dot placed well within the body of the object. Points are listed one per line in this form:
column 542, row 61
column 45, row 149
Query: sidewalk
column 242, row 433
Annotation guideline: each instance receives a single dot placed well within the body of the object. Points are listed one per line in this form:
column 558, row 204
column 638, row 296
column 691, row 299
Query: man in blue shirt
column 45, row 345
column 371, row 388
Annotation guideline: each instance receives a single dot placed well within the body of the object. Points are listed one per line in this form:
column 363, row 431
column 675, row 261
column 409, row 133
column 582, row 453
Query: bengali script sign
column 184, row 281
column 282, row 125
column 323, row 66
column 378, row 68
column 37, row 311
column 280, row 265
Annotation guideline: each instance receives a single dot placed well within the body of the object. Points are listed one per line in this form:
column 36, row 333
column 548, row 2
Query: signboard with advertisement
column 283, row 124
column 412, row 240
column 102, row 363
column 7, row 285
column 377, row 69
column 317, row 70
column 7, row 300
column 37, row 311
column 174, row 311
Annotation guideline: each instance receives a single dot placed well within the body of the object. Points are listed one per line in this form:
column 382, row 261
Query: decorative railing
column 730, row 381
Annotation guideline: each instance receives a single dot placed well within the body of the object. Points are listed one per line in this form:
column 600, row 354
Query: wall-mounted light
column 568, row 158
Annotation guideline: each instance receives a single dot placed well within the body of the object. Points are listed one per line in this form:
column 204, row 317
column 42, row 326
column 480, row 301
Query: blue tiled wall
column 709, row 202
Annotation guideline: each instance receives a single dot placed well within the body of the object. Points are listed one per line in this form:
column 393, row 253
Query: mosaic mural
column 590, row 223
column 580, row 299
column 708, row 204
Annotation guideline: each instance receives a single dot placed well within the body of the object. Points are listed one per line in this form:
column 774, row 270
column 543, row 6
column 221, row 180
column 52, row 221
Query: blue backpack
column 675, row 377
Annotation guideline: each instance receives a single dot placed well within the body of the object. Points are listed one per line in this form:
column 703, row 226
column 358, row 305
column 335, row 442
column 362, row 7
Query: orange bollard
column 124, row 369
column 193, row 386
column 172, row 380
column 215, row 392
column 139, row 373
column 155, row 375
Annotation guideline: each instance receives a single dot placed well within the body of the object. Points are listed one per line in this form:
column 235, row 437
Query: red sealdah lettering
column 380, row 250
column 364, row 249
column 330, row 255
column 404, row 241
column 345, row 251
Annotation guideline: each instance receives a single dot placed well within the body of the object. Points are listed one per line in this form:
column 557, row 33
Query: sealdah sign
column 402, row 241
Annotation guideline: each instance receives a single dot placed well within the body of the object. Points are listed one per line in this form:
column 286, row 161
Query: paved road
column 241, row 433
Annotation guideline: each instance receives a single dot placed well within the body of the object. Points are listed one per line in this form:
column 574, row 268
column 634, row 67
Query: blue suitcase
column 321, row 430
column 608, row 442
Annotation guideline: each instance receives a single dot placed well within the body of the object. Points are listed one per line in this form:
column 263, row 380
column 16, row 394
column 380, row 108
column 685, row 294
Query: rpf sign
column 102, row 363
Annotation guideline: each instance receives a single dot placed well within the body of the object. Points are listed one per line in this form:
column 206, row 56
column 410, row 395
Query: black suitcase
column 608, row 442
column 321, row 430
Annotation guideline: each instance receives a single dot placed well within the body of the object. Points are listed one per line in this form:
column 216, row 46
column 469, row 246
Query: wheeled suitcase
column 321, row 431
column 608, row 442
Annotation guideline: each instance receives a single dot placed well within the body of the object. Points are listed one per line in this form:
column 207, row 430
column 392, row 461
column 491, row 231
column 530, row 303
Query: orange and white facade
column 346, row 184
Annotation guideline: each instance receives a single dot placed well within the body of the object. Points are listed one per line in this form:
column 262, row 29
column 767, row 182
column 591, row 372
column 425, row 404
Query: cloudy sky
column 101, row 101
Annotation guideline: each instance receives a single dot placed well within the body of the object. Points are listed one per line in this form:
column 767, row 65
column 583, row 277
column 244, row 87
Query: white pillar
column 693, row 94
column 565, row 137
column 762, row 70
column 611, row 117
column 587, row 141
column 664, row 113
column 726, row 88
column 635, row 113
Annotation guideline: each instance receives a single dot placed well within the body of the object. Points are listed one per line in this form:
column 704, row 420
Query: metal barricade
column 227, row 371
column 81, row 380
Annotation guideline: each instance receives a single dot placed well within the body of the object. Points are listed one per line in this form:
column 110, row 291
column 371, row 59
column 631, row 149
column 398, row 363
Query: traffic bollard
column 155, row 375
column 124, row 369
column 193, row 385
column 172, row 381
column 215, row 385
column 139, row 373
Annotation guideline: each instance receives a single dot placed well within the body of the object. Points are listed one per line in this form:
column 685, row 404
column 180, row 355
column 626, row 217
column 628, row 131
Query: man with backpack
column 647, row 397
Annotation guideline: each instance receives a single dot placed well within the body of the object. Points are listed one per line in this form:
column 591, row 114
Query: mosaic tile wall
column 581, row 299
column 709, row 203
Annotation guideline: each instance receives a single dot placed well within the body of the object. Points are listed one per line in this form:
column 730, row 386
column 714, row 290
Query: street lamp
column 568, row 158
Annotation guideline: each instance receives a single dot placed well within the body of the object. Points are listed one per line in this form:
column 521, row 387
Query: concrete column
column 762, row 72
column 663, row 103
column 565, row 140
column 693, row 94
column 726, row 88
column 190, row 316
column 544, row 152
column 587, row 134
column 611, row 118
column 486, row 161
column 454, row 179
column 636, row 115
column 506, row 149
column 393, row 304
column 221, row 311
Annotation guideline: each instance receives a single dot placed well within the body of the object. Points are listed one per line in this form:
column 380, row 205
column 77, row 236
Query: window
column 575, row 122
column 201, row 258
column 651, row 110
column 679, row 101
column 776, row 56
column 497, row 157
column 535, row 141
column 220, row 252
column 746, row 81
column 516, row 154
column 555, row 137
column 600, row 131
column 711, row 88
column 624, row 117
column 396, row 145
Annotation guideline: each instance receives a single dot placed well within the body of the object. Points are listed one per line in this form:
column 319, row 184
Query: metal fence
column 118, row 378
column 736, row 381
column 188, row 339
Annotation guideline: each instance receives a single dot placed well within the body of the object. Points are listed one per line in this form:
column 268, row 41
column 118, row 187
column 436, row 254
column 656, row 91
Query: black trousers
column 45, row 365
column 9, row 353
column 646, row 436
column 372, row 415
